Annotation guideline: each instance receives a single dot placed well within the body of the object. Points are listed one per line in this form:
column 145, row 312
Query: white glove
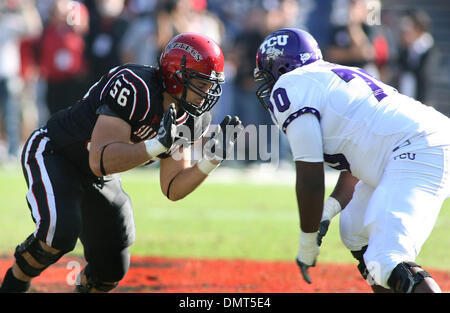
column 307, row 253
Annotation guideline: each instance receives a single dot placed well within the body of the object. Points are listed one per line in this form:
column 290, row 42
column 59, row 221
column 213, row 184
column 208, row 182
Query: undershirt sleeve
column 305, row 138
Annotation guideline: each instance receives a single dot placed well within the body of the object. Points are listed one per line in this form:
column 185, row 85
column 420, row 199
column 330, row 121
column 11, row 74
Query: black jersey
column 130, row 92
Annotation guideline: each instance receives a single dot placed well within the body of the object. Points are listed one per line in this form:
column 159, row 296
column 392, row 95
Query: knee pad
column 359, row 255
column 93, row 282
column 403, row 279
column 34, row 248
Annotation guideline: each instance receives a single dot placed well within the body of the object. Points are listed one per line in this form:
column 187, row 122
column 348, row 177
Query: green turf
column 219, row 220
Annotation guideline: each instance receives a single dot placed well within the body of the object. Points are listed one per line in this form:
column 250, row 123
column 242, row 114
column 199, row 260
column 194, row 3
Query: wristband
column 331, row 208
column 308, row 239
column 206, row 167
column 154, row 147
column 308, row 248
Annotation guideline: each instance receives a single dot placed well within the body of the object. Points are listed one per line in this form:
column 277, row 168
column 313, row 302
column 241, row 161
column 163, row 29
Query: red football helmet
column 189, row 56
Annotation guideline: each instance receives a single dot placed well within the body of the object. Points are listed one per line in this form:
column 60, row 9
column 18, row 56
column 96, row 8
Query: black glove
column 167, row 128
column 323, row 229
column 221, row 142
column 304, row 270
column 331, row 208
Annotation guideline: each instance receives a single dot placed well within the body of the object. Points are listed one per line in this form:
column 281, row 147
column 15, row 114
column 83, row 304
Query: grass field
column 222, row 219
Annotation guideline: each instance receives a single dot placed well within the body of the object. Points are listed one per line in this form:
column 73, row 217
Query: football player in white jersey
column 393, row 153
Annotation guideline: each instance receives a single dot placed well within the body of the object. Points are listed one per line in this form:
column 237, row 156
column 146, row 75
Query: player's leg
column 401, row 215
column 409, row 277
column 352, row 231
column 31, row 258
column 106, row 267
column 52, row 200
column 108, row 231
column 351, row 219
column 359, row 256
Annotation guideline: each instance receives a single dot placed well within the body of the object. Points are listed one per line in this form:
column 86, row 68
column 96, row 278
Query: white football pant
column 397, row 216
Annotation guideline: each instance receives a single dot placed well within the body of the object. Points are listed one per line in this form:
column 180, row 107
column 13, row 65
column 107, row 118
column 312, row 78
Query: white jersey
column 345, row 117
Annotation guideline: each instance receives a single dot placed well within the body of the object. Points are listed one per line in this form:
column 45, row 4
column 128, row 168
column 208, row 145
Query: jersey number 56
column 123, row 94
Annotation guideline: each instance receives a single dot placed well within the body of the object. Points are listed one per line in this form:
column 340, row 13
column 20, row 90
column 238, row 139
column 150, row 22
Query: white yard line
column 265, row 175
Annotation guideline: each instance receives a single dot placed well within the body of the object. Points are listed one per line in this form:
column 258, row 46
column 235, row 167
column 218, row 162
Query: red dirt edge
column 177, row 275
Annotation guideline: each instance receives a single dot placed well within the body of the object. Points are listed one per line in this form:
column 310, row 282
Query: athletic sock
column 12, row 284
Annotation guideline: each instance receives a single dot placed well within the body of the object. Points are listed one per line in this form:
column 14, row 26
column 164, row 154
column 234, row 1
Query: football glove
column 166, row 134
column 221, row 142
column 331, row 208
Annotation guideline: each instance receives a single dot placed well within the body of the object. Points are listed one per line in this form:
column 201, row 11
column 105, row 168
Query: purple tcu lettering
column 407, row 155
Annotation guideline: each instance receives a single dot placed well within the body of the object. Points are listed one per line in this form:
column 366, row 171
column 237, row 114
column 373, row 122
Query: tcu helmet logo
column 273, row 53
column 280, row 40
column 304, row 57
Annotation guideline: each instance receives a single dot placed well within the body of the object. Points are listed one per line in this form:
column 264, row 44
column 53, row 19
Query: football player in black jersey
column 131, row 116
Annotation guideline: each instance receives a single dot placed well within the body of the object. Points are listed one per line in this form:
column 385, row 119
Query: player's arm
column 110, row 148
column 124, row 102
column 338, row 199
column 112, row 152
column 305, row 139
column 178, row 178
column 343, row 191
column 297, row 111
column 310, row 192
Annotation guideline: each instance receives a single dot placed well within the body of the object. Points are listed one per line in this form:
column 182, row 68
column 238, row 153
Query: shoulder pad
column 128, row 95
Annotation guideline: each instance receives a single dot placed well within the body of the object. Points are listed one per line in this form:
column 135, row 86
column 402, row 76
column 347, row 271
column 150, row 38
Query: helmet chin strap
column 181, row 101
column 183, row 95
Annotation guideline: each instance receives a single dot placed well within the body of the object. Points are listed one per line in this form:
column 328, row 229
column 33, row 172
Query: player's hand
column 167, row 128
column 167, row 131
column 307, row 254
column 323, row 229
column 331, row 208
column 221, row 142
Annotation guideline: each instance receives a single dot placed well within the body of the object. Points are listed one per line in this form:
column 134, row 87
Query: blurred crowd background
column 51, row 51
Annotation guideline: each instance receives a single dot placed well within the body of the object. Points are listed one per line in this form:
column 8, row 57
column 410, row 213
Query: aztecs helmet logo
column 183, row 46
